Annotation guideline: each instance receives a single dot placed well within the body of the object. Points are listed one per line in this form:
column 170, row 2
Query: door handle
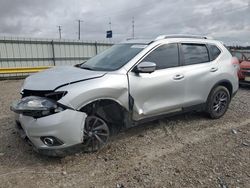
column 178, row 77
column 213, row 69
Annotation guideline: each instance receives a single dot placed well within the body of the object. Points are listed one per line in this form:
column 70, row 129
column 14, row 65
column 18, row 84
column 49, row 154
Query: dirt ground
column 183, row 151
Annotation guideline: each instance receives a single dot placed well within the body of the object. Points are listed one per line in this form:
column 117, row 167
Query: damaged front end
column 36, row 106
column 52, row 128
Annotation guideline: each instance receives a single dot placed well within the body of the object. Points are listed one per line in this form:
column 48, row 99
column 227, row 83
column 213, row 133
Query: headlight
column 36, row 106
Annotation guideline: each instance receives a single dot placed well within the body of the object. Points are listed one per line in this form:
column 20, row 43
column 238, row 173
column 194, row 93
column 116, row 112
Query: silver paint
column 163, row 91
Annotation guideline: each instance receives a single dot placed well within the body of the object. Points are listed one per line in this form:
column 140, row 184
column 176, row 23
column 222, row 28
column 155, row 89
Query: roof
column 181, row 36
column 137, row 41
column 161, row 37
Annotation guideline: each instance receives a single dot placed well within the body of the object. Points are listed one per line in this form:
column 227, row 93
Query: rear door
column 161, row 91
column 200, row 72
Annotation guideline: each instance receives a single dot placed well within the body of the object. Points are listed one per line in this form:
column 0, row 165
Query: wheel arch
column 225, row 83
column 111, row 110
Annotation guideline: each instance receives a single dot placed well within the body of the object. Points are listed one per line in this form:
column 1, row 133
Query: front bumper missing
column 67, row 126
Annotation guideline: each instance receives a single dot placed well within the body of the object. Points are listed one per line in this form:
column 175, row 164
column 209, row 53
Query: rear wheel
column 218, row 102
column 96, row 134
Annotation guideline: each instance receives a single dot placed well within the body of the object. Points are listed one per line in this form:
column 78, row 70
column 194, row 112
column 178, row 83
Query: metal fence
column 17, row 53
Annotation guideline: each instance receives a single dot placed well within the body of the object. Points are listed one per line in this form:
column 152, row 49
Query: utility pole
column 133, row 27
column 110, row 29
column 79, row 29
column 109, row 24
column 60, row 31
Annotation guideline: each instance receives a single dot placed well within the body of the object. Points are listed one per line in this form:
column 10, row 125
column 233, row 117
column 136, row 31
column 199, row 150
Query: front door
column 162, row 91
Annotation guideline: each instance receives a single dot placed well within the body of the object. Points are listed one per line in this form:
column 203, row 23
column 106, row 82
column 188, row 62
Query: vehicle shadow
column 244, row 87
column 173, row 122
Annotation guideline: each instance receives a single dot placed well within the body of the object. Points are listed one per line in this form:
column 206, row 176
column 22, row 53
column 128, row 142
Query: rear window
column 214, row 51
column 195, row 53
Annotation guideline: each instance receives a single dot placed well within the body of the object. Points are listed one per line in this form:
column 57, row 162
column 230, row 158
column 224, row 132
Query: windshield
column 113, row 58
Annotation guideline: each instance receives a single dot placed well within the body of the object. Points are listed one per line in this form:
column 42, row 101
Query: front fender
column 111, row 86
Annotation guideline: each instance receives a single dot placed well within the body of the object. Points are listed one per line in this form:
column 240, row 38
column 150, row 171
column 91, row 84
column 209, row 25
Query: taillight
column 236, row 63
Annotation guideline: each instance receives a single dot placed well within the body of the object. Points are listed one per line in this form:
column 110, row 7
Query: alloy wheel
column 96, row 133
column 220, row 102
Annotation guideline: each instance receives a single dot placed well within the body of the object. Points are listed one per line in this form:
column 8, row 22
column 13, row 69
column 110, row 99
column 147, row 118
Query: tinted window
column 214, row 51
column 195, row 54
column 165, row 56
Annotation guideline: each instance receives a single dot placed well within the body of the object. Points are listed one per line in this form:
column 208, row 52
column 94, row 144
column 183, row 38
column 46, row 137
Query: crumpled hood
column 58, row 76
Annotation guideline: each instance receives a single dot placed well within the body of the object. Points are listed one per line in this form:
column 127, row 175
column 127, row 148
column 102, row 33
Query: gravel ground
column 183, row 151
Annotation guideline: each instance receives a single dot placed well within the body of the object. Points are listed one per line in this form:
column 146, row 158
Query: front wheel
column 218, row 102
column 96, row 134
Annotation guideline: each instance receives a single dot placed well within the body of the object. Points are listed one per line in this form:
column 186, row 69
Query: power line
column 190, row 18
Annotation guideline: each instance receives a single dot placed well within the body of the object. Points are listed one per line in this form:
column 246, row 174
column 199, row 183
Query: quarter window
column 194, row 53
column 165, row 56
column 213, row 51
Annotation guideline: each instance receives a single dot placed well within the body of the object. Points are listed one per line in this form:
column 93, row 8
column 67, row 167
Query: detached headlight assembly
column 36, row 106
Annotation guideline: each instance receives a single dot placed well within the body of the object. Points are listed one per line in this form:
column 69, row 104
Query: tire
column 96, row 134
column 218, row 102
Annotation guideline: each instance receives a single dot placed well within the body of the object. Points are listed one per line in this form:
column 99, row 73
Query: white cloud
column 226, row 20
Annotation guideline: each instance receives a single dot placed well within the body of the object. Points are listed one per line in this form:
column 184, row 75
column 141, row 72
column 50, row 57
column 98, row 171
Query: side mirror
column 145, row 67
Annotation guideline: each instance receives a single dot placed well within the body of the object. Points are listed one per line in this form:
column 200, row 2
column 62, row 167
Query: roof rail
column 181, row 36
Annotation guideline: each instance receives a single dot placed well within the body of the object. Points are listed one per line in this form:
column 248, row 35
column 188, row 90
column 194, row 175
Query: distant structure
column 79, row 29
column 237, row 47
column 60, row 31
column 109, row 33
column 133, row 27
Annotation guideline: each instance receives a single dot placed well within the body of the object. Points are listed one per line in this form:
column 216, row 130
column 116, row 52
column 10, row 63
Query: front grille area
column 26, row 93
column 44, row 93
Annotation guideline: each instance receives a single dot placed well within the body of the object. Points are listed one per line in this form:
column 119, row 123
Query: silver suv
column 128, row 84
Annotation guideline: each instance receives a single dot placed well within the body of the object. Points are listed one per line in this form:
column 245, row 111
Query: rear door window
column 194, row 53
